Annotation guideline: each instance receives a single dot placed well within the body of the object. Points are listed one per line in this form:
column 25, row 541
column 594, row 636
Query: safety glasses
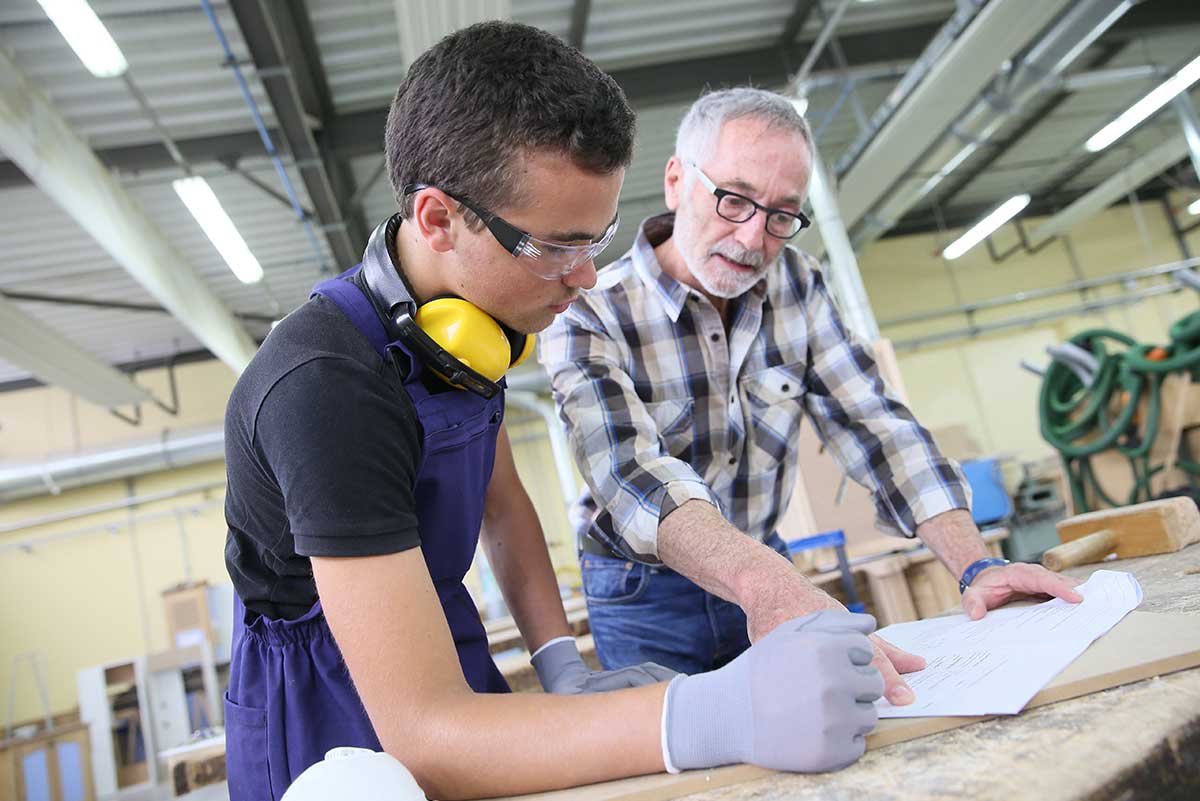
column 548, row 260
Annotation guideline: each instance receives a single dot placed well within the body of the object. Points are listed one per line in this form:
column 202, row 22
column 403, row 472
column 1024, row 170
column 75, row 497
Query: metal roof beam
column 579, row 22
column 272, row 36
column 1035, row 118
column 28, row 343
column 360, row 133
column 39, row 140
column 1117, row 186
column 952, row 84
column 796, row 21
column 422, row 23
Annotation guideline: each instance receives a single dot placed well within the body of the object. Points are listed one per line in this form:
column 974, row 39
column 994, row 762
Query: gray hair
column 698, row 130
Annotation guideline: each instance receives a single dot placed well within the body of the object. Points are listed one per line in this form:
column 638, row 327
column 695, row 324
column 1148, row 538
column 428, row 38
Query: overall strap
column 357, row 307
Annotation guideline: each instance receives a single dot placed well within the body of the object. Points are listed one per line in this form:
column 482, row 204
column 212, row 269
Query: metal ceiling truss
column 337, row 138
column 41, row 141
column 579, row 23
column 279, row 38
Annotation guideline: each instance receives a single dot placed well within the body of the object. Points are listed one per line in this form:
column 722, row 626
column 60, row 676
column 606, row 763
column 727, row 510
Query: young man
column 683, row 379
column 365, row 452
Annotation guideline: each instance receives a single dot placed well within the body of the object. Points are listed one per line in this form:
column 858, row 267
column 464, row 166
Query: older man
column 683, row 379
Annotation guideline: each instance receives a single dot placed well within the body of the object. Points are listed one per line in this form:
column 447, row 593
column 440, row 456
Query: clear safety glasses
column 548, row 260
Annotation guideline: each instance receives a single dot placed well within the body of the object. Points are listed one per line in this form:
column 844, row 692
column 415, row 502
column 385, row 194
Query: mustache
column 735, row 252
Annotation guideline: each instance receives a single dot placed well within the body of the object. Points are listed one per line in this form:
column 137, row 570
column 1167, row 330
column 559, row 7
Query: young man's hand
column 801, row 699
column 561, row 671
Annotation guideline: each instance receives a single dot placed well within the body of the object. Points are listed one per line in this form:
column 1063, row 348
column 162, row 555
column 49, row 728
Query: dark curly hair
column 475, row 103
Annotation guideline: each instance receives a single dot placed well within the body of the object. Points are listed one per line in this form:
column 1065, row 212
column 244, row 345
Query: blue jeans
column 641, row 613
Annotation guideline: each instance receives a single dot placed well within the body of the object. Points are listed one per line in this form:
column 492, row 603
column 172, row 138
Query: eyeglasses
column 739, row 209
column 548, row 260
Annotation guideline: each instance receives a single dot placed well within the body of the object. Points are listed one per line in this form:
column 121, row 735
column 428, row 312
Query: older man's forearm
column 955, row 538
column 696, row 541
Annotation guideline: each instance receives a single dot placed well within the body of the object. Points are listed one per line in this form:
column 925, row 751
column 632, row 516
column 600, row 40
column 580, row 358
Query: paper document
column 995, row 665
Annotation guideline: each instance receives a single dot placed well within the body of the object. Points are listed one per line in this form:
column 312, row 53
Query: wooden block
column 196, row 765
column 1146, row 528
column 1143, row 645
column 889, row 591
column 933, row 589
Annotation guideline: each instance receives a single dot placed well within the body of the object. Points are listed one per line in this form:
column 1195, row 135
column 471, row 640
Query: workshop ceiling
column 346, row 60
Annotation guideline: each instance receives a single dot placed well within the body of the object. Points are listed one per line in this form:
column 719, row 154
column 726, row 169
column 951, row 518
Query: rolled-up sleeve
column 866, row 427
column 615, row 439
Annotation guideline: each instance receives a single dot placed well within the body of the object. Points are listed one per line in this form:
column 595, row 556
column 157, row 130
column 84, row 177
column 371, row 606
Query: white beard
column 724, row 283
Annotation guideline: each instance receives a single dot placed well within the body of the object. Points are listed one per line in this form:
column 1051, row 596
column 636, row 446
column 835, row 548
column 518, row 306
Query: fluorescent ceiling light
column 198, row 196
column 87, row 36
column 1194, row 209
column 1139, row 111
column 982, row 229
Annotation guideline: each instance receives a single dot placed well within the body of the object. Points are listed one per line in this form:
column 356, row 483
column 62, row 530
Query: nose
column 582, row 277
column 752, row 234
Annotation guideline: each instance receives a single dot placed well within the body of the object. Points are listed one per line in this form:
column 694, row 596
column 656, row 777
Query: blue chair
column 835, row 539
column 990, row 502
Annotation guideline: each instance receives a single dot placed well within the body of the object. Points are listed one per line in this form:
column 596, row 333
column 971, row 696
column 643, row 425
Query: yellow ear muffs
column 470, row 335
column 525, row 350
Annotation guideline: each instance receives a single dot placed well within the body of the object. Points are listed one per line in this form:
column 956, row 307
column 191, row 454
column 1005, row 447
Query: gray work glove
column 800, row 699
column 561, row 670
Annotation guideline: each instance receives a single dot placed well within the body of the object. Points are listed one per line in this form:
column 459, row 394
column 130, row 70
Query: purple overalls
column 295, row 700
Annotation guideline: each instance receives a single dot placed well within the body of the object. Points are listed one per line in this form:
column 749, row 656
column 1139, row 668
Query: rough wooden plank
column 1142, row 646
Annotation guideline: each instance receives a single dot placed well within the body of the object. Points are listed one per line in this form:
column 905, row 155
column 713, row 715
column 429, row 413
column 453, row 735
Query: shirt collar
column 654, row 231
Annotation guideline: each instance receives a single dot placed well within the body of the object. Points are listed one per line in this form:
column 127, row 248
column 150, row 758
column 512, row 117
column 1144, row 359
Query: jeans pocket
column 246, row 766
column 613, row 581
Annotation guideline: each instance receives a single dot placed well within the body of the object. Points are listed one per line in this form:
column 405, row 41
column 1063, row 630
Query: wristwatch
column 975, row 568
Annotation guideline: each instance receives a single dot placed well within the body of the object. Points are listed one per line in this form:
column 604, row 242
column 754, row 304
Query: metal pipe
column 937, row 47
column 1036, row 294
column 843, row 266
column 29, row 543
column 1033, row 368
column 1191, row 127
column 233, row 64
column 112, row 506
column 862, row 74
column 823, row 37
column 559, row 447
column 1032, row 319
column 172, row 449
column 1105, row 77
column 1070, row 352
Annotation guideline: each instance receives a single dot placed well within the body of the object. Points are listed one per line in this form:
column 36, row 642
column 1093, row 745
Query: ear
column 673, row 182
column 432, row 218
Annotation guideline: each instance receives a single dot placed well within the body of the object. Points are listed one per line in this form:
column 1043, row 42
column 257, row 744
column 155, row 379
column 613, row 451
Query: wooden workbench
column 1139, row 741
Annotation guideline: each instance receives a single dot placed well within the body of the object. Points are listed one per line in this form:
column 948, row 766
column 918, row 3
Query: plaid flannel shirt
column 662, row 406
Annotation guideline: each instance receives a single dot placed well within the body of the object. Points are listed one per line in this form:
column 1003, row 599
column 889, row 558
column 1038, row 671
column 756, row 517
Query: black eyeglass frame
column 756, row 207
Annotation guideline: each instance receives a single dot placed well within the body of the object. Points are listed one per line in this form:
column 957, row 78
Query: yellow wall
column 96, row 597
column 45, row 421
column 977, row 382
column 88, row 600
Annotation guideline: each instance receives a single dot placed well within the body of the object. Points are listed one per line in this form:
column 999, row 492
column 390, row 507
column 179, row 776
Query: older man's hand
column 890, row 661
column 996, row 586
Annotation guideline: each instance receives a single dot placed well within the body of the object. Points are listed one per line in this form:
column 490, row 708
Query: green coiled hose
column 1081, row 421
